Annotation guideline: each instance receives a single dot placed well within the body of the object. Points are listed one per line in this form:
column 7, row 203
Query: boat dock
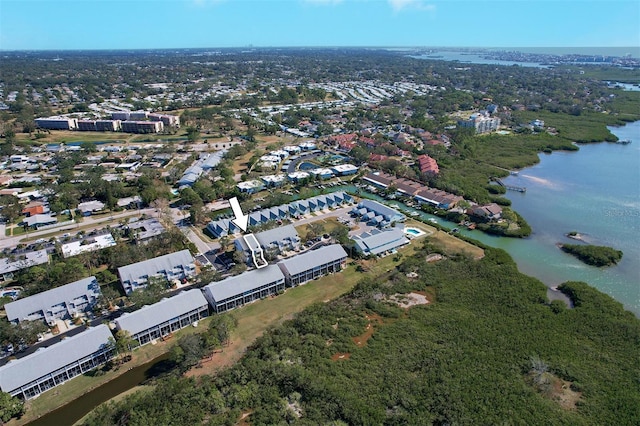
column 510, row 187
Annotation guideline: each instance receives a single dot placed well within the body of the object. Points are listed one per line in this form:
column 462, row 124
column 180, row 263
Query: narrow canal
column 74, row 411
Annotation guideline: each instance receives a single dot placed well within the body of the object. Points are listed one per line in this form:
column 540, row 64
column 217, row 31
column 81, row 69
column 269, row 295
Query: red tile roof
column 428, row 165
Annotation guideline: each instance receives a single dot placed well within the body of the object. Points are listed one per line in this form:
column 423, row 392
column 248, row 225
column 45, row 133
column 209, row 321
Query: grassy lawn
column 328, row 225
column 447, row 241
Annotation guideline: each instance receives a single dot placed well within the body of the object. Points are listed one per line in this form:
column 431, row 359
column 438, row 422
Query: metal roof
column 313, row 258
column 242, row 283
column 165, row 310
column 21, row 308
column 380, row 209
column 153, row 266
column 23, row 261
column 22, row 371
column 377, row 242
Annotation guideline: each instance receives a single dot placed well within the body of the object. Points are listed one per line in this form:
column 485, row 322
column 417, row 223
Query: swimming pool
column 413, row 232
column 307, row 166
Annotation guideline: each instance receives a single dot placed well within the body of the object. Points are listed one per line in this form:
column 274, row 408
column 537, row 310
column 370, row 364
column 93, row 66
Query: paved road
column 97, row 221
column 303, row 157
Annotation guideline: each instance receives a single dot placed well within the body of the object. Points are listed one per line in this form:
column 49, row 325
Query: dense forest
column 593, row 255
column 488, row 349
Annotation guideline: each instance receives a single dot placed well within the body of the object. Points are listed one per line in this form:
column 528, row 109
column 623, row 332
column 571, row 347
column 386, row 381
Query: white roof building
column 98, row 242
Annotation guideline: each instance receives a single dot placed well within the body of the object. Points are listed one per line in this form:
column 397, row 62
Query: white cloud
column 398, row 5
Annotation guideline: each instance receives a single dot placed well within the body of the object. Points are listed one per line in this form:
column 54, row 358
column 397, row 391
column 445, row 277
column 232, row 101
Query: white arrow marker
column 241, row 219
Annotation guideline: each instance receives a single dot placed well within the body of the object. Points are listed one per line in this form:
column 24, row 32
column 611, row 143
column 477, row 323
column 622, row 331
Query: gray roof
column 247, row 281
column 40, row 219
column 376, row 242
column 165, row 310
column 21, row 308
column 153, row 266
column 44, row 361
column 147, row 228
column 22, row 261
column 265, row 238
column 380, row 209
column 311, row 259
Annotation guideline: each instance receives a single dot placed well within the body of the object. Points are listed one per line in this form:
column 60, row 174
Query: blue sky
column 136, row 24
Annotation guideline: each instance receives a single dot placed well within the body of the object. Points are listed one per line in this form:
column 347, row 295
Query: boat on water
column 624, row 142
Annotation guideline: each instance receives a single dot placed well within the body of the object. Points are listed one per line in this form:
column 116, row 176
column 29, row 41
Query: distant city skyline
column 171, row 24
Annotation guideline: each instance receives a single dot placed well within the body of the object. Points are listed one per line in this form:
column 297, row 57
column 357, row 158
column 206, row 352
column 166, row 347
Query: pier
column 510, row 187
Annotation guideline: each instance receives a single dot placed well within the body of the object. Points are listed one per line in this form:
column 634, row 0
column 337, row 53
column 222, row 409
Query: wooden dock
column 510, row 187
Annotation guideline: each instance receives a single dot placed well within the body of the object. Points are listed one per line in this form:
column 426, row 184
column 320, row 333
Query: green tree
column 193, row 134
column 10, row 407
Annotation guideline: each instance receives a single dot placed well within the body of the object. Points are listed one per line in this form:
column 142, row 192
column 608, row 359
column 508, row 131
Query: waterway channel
column 74, row 411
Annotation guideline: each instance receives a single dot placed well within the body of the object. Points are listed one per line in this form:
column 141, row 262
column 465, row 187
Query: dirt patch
column 434, row 257
column 556, row 389
column 408, row 300
column 340, row 356
column 361, row 340
column 244, row 418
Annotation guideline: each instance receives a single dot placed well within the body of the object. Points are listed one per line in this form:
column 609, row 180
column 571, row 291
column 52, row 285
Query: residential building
column 223, row 227
column 313, row 264
column 159, row 320
column 244, row 288
column 427, row 165
column 167, row 120
column 129, row 202
column 345, row 169
column 174, row 266
column 413, row 189
column 298, row 176
column 251, row 186
column 143, row 230
column 57, row 123
column 14, row 263
column 142, row 126
column 88, row 244
column 380, row 242
column 487, row 212
column 277, row 240
column 39, row 220
column 89, row 207
column 482, row 123
column 323, row 173
column 376, row 213
column 307, row 146
column 108, row 125
column 49, row 367
column 62, row 302
column 273, row 180
column 35, row 207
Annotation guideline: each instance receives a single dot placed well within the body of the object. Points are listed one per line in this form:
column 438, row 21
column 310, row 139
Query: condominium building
column 49, row 367
column 481, row 122
column 174, row 266
column 142, row 126
column 62, row 302
column 57, row 123
column 244, row 288
column 165, row 317
column 313, row 264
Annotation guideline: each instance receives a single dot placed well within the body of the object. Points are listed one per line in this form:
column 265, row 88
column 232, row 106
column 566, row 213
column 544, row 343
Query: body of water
column 594, row 191
column 474, row 58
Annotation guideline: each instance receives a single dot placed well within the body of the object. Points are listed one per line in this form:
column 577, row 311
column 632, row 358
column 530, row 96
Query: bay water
column 594, row 191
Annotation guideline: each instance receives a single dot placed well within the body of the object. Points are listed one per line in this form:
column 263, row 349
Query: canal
column 74, row 411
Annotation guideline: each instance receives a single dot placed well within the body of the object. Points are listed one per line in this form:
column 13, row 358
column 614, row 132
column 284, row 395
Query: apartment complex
column 57, row 123
column 165, row 317
column 174, row 266
column 244, row 288
column 313, row 264
column 62, row 302
column 49, row 367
